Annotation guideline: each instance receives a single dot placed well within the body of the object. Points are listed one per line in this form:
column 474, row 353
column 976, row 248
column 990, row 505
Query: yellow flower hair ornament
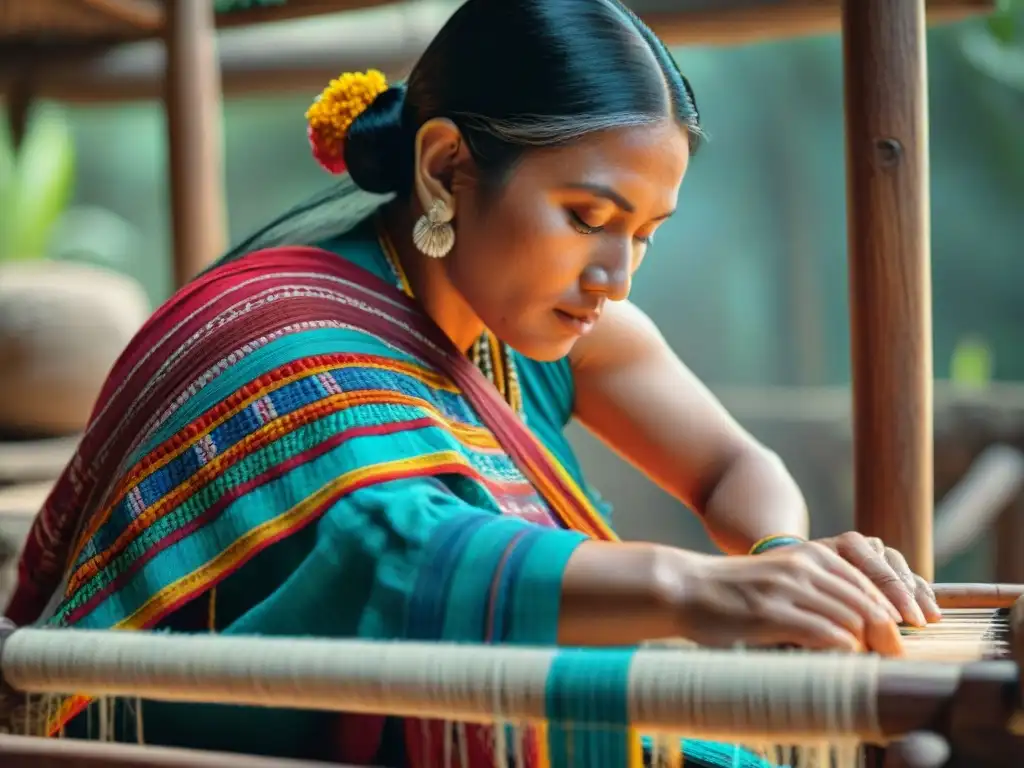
column 332, row 114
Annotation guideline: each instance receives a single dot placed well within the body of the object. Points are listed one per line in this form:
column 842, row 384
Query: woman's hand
column 806, row 595
column 910, row 594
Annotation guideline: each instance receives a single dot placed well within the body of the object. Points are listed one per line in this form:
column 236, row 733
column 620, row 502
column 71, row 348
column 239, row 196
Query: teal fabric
column 604, row 742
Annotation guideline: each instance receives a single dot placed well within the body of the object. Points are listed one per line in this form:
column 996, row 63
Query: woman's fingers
column 821, row 583
column 794, row 625
column 841, row 567
column 872, row 624
column 858, row 551
column 919, row 589
column 926, row 599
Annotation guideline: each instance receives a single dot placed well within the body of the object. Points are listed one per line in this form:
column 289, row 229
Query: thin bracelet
column 774, row 542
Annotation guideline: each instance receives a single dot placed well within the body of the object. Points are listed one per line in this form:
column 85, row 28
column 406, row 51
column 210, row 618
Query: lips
column 580, row 321
column 583, row 316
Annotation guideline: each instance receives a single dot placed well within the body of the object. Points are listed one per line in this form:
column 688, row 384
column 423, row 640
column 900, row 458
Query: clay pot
column 62, row 326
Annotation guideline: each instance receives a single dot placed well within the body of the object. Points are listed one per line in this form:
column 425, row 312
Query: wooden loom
column 968, row 711
column 972, row 705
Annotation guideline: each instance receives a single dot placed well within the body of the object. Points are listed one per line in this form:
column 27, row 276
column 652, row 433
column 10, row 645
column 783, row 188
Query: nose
column 610, row 273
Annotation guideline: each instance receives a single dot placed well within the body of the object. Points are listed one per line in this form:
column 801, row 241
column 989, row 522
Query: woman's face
column 565, row 234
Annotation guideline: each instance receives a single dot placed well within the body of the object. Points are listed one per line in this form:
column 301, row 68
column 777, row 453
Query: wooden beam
column 19, row 103
column 293, row 9
column 749, row 21
column 998, row 408
column 194, row 136
column 147, row 15
column 23, row 501
column 1009, row 539
column 292, row 58
column 27, row 460
column 302, row 57
column 888, row 229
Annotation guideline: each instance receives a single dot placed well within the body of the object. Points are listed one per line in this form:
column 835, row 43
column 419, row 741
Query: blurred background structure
column 111, row 104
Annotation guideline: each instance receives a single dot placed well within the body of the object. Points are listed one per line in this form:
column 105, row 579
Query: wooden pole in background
column 194, row 137
column 890, row 276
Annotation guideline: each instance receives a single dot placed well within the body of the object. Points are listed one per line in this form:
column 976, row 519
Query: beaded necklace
column 493, row 358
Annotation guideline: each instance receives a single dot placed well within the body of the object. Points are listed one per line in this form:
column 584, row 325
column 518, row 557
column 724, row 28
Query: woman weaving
column 353, row 424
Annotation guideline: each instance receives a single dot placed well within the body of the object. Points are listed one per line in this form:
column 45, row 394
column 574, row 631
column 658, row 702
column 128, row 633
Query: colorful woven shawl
column 120, row 502
column 155, row 472
column 296, row 287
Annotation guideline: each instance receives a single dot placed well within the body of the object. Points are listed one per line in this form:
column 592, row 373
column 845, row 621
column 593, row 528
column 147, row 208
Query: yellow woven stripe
column 543, row 750
column 498, row 363
column 230, row 557
column 428, row 377
column 635, row 757
column 474, row 437
column 581, row 516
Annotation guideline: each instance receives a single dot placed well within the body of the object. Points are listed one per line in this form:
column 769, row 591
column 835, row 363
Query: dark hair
column 512, row 75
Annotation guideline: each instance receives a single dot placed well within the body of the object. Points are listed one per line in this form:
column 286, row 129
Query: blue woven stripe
column 288, row 399
column 428, row 603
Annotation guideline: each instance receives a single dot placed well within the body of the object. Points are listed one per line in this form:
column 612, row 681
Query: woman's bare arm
column 634, row 393
column 622, row 594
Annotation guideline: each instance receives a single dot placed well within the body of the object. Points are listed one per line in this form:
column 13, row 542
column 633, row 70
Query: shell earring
column 434, row 234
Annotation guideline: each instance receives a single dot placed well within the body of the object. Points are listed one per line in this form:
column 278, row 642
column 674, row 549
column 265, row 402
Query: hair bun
column 335, row 109
column 375, row 149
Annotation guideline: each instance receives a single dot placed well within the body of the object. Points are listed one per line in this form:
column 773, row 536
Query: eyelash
column 585, row 229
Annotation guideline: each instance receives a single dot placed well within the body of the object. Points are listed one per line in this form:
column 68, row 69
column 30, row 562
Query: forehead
column 646, row 162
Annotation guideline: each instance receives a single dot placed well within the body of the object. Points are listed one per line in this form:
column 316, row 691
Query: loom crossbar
column 977, row 595
column 756, row 696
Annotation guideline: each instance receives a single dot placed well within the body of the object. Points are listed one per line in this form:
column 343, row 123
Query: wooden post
column 194, row 137
column 890, row 280
column 19, row 108
column 1009, row 539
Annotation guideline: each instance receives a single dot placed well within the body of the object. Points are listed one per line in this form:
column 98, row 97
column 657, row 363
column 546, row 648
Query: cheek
column 525, row 242
column 515, row 226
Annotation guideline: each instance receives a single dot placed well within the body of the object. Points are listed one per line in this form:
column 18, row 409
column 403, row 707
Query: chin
column 543, row 350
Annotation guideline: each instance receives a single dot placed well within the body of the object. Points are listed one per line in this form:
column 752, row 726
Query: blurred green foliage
column 1005, row 23
column 36, row 183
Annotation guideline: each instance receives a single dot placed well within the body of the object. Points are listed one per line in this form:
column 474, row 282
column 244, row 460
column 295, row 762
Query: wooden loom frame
column 888, row 218
column 930, row 715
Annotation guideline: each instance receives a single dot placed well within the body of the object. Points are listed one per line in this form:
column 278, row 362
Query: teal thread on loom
column 589, row 689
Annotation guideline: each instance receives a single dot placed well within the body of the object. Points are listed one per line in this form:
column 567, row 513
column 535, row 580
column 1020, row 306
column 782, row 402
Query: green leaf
column 1003, row 27
column 972, row 363
column 43, row 183
column 1005, row 21
column 7, row 172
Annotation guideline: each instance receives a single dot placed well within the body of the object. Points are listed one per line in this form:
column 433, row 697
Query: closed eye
column 581, row 226
column 586, row 229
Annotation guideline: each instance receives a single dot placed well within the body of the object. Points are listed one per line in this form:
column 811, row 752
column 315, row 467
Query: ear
column 440, row 150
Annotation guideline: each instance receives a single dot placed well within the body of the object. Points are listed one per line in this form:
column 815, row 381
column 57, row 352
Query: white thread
column 751, row 697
